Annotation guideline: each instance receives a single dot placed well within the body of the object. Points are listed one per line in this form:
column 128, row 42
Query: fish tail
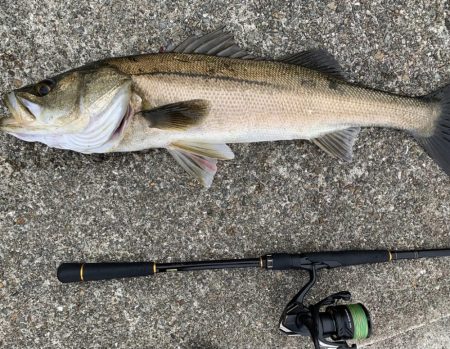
column 437, row 141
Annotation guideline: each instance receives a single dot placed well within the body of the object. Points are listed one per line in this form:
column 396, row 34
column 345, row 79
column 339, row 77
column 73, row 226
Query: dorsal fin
column 216, row 43
column 316, row 59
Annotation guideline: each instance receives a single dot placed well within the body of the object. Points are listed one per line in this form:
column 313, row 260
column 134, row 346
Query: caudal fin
column 438, row 144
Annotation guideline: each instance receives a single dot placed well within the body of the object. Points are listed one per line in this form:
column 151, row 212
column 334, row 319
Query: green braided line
column 360, row 321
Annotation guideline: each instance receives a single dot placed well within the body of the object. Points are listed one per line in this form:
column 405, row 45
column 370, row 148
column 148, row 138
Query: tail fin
column 438, row 144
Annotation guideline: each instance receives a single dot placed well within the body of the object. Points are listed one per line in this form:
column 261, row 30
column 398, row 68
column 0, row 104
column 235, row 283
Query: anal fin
column 339, row 144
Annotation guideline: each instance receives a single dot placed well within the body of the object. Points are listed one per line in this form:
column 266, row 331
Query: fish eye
column 44, row 87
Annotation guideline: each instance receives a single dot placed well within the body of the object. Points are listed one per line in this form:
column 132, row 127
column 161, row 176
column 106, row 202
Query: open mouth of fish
column 23, row 113
column 14, row 106
column 31, row 108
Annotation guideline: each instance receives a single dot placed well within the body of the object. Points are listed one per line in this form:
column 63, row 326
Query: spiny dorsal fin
column 316, row 59
column 200, row 159
column 216, row 43
column 339, row 144
column 177, row 116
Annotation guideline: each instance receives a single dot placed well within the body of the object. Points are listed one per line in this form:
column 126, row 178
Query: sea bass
column 196, row 97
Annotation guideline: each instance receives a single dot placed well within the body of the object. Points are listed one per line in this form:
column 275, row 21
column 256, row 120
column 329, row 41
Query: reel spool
column 350, row 321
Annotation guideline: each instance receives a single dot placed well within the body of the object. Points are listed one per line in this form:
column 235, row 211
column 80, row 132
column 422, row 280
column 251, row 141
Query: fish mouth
column 10, row 101
column 9, row 121
column 20, row 113
column 33, row 109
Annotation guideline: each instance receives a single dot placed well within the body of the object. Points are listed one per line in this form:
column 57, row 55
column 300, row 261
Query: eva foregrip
column 76, row 272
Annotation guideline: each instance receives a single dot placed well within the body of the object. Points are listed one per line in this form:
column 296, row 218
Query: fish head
column 82, row 110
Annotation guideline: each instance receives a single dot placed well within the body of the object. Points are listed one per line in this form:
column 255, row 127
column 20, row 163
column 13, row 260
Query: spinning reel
column 337, row 322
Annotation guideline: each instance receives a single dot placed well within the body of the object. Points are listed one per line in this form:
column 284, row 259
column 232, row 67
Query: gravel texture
column 60, row 206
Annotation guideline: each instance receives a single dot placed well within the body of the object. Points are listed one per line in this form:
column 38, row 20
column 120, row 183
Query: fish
column 197, row 97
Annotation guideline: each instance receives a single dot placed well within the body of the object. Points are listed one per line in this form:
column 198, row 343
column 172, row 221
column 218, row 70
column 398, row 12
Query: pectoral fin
column 339, row 144
column 177, row 116
column 200, row 159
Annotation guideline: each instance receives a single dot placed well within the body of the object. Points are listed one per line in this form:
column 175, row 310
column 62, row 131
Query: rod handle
column 335, row 259
column 76, row 272
column 332, row 259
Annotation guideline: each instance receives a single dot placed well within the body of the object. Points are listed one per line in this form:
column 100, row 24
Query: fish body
column 208, row 92
column 255, row 101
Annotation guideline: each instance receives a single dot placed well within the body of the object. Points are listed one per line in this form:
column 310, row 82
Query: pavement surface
column 59, row 206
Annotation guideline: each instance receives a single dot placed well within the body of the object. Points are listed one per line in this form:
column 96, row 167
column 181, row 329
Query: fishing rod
column 328, row 329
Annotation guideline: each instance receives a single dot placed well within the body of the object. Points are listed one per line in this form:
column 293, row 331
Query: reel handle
column 76, row 272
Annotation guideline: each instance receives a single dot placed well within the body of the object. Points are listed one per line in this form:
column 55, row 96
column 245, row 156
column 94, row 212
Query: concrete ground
column 58, row 206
